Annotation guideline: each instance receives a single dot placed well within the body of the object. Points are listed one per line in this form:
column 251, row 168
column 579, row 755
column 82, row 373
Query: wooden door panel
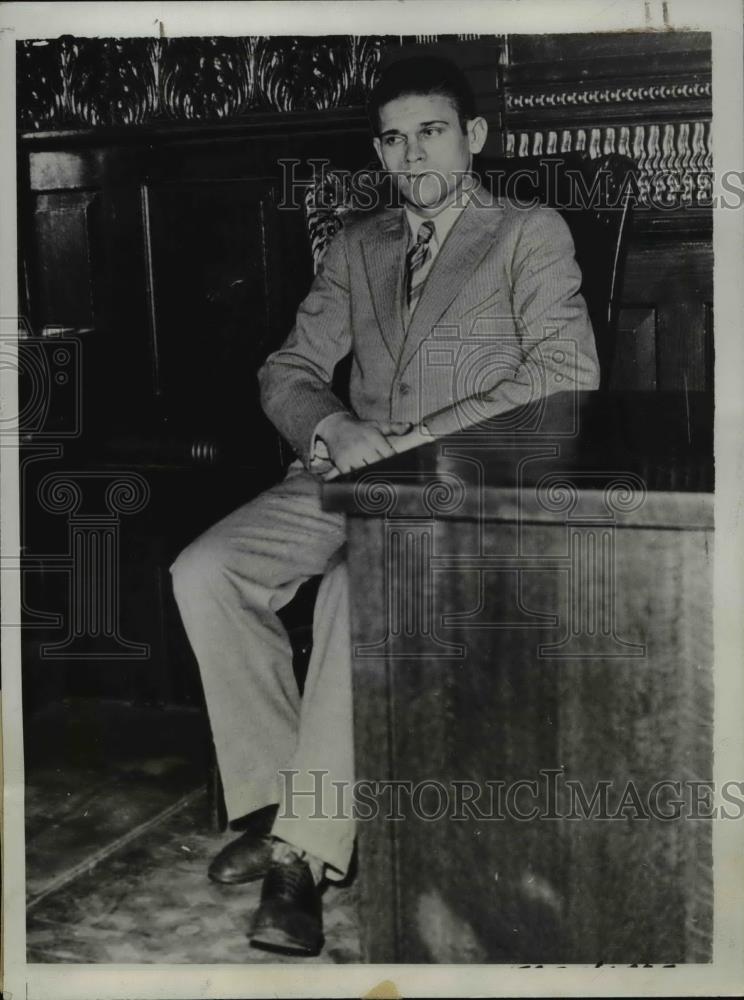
column 675, row 279
column 211, row 249
column 634, row 365
column 67, row 238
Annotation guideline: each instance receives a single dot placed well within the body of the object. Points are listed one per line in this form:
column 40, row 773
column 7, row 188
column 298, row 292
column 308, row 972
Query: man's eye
column 432, row 130
column 391, row 140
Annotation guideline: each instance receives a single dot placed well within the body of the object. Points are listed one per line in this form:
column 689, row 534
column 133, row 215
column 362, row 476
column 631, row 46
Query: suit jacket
column 500, row 322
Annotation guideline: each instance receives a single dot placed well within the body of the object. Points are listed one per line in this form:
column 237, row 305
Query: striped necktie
column 416, row 264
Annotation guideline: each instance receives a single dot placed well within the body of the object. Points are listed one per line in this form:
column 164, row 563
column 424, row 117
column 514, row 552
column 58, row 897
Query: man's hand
column 352, row 443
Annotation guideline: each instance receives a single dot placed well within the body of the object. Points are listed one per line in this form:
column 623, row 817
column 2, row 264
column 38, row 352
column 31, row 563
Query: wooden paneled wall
column 647, row 96
column 166, row 266
column 156, row 252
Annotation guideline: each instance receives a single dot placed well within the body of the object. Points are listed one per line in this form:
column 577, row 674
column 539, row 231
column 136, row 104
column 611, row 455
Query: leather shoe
column 290, row 917
column 248, row 858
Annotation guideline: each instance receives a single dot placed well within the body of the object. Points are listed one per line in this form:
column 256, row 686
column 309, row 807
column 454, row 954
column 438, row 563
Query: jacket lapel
column 465, row 247
column 384, row 260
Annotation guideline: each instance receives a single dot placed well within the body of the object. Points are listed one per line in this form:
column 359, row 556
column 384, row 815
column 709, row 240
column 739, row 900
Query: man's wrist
column 319, row 459
column 326, row 424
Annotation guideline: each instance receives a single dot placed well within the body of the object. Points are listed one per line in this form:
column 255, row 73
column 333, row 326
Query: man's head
column 426, row 130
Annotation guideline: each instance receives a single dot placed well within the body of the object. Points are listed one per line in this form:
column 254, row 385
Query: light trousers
column 273, row 746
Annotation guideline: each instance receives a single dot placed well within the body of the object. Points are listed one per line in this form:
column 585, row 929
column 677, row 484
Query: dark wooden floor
column 118, row 843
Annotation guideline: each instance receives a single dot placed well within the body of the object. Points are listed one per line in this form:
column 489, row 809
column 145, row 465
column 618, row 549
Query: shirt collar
column 443, row 222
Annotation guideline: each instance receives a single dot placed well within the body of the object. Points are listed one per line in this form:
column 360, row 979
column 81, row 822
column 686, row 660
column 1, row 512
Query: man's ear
column 477, row 130
column 378, row 149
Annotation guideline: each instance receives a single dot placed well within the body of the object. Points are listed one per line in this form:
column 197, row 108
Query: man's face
column 421, row 142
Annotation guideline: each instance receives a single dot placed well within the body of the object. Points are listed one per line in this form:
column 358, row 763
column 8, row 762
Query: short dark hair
column 422, row 75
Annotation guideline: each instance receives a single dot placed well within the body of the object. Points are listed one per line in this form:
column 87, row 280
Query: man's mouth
column 417, row 178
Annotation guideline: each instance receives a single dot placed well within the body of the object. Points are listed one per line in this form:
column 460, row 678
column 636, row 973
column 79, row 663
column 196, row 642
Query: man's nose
column 414, row 151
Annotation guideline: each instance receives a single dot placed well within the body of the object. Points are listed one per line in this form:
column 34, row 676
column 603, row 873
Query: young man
column 452, row 266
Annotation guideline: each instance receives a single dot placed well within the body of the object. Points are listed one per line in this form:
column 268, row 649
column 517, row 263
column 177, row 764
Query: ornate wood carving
column 607, row 95
column 73, row 82
column 112, row 81
column 674, row 159
column 206, row 78
column 648, row 98
column 662, row 121
column 330, row 199
column 42, row 73
column 301, row 74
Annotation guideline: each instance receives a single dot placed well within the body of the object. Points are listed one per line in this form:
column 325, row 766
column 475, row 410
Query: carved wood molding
column 650, row 99
column 127, row 81
column 662, row 121
column 330, row 198
column 641, row 91
column 674, row 159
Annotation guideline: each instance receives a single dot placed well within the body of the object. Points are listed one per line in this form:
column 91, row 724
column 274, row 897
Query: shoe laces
column 288, row 876
column 285, row 853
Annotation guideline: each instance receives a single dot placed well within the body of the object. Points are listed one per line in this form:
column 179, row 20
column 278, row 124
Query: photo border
column 725, row 975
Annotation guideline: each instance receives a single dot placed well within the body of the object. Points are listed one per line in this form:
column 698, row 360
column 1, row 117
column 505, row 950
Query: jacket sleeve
column 295, row 381
column 556, row 349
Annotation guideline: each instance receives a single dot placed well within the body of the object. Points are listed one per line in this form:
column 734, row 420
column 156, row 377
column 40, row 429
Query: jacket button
column 404, row 388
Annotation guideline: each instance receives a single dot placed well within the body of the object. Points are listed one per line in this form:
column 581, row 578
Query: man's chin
column 424, row 201
column 425, row 206
column 426, row 196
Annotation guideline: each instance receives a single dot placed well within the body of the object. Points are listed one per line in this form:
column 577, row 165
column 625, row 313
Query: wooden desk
column 527, row 607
